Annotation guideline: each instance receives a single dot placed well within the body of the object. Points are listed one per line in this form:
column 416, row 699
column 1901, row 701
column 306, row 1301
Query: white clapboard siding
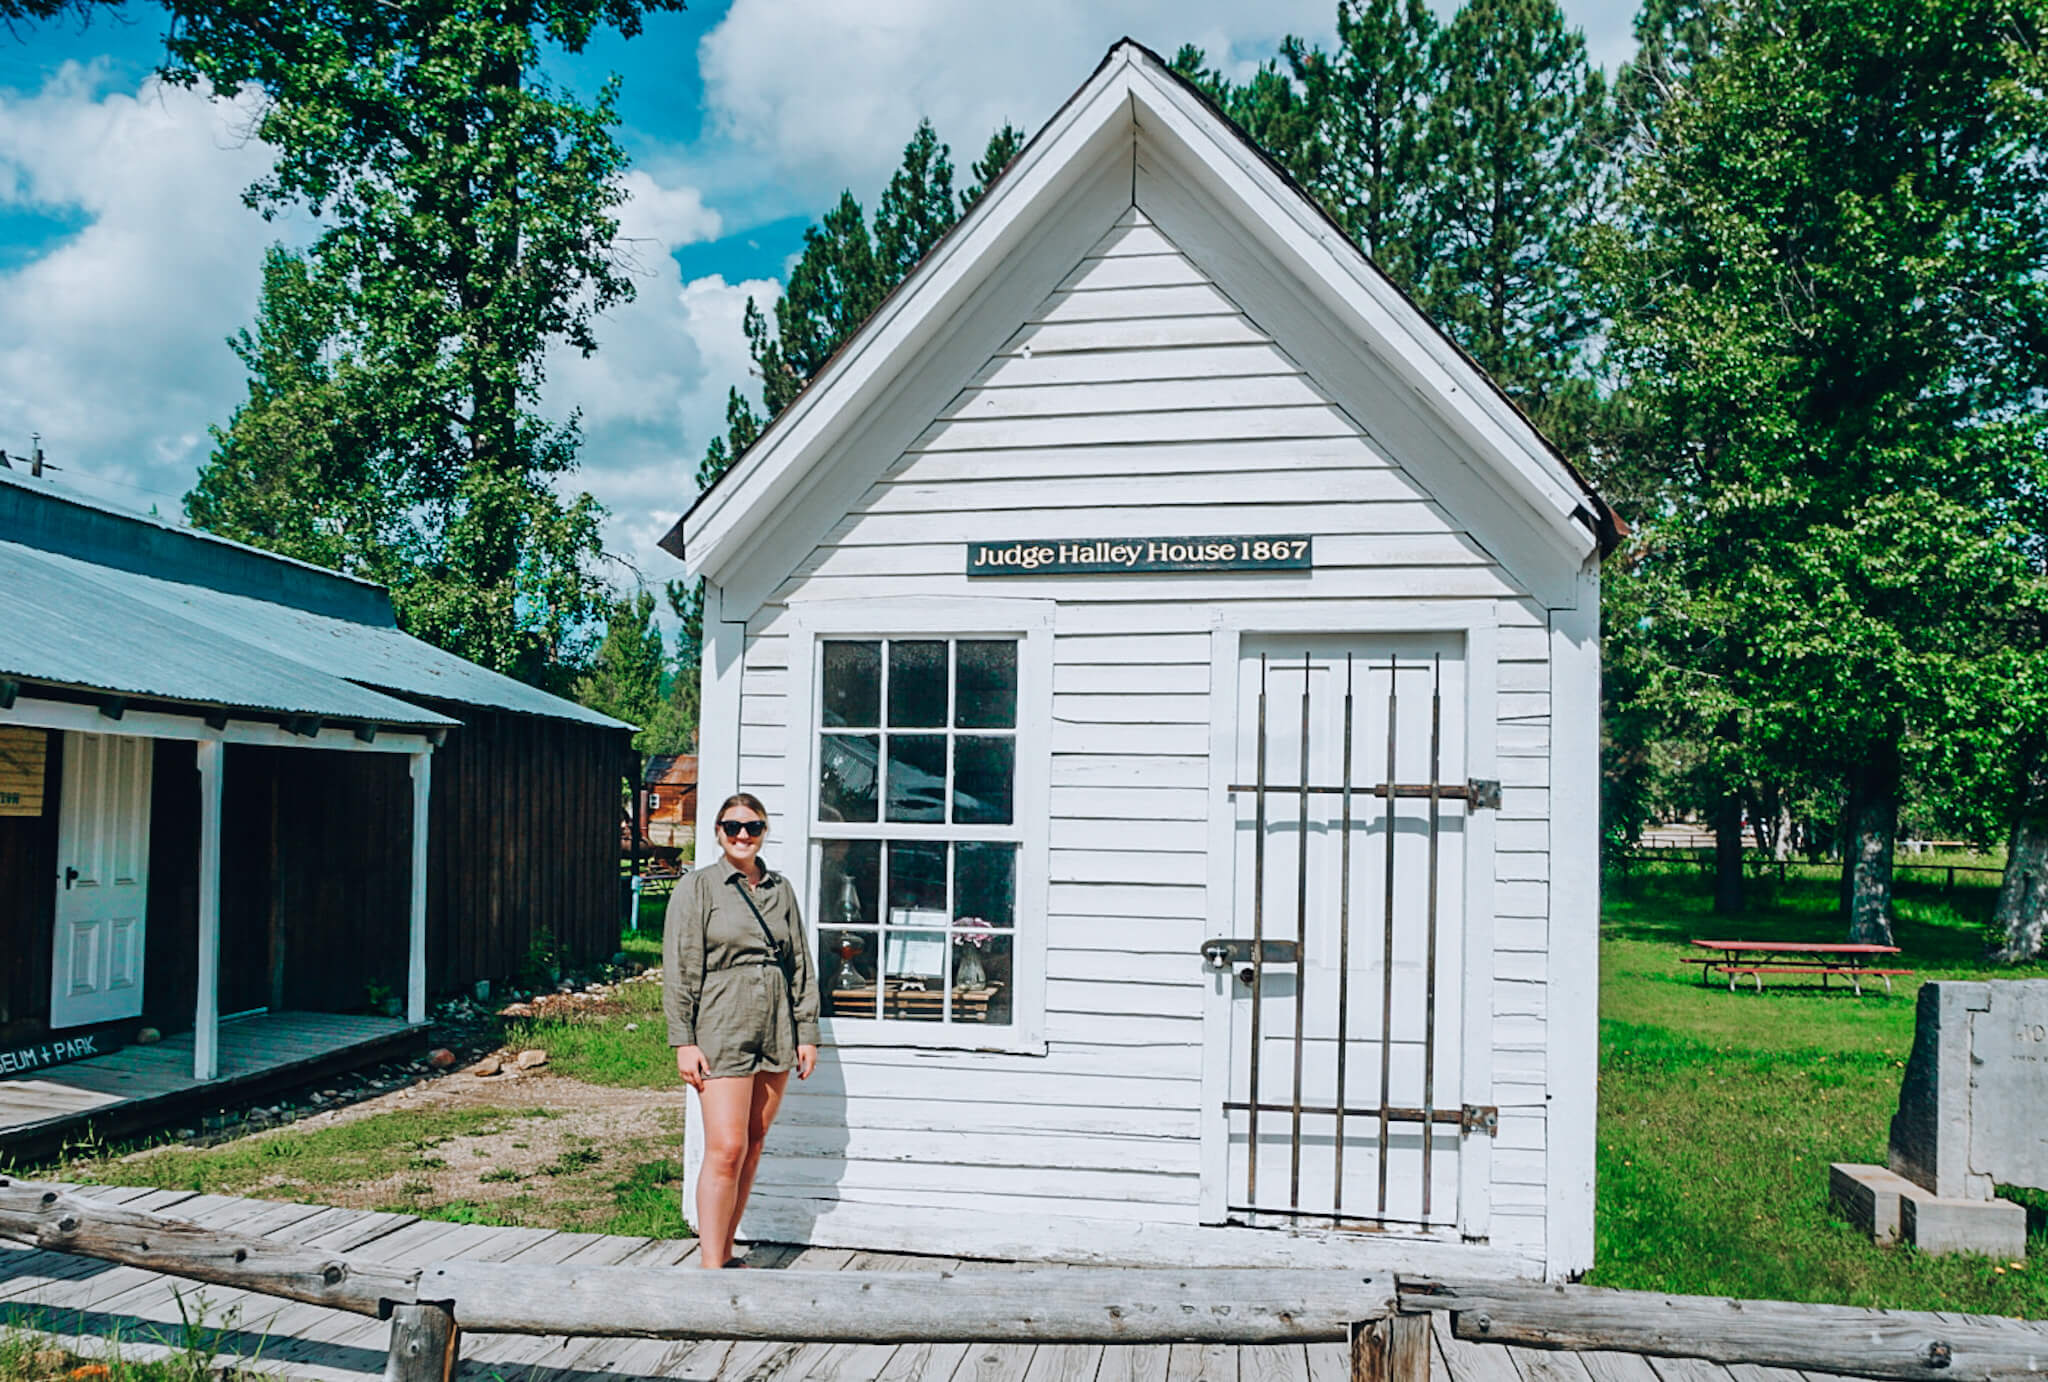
column 1202, row 456
column 1159, row 679
column 1051, row 338
column 1279, row 420
column 1109, row 367
column 1166, row 520
column 1134, row 239
column 1256, row 392
column 1198, row 299
column 1138, row 401
column 1133, row 271
column 1071, row 940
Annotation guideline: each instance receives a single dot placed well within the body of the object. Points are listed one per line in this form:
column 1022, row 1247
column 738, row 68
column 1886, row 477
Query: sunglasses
column 753, row 830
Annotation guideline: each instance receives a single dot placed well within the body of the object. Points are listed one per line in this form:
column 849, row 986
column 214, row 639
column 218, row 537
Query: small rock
column 632, row 1026
column 532, row 1059
column 441, row 1058
column 516, row 1010
column 148, row 1036
column 489, row 1065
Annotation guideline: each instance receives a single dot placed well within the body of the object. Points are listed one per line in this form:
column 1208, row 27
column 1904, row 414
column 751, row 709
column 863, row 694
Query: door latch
column 70, row 877
column 1229, row 952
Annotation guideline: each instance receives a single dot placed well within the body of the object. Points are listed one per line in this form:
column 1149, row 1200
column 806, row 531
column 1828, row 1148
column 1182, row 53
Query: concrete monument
column 1970, row 1119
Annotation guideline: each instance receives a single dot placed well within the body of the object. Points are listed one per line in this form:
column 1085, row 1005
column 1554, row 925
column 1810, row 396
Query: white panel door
column 102, row 879
column 1349, row 1116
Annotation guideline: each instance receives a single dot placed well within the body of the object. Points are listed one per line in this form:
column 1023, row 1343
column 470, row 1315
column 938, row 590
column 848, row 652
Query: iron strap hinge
column 1480, row 1118
column 1483, row 793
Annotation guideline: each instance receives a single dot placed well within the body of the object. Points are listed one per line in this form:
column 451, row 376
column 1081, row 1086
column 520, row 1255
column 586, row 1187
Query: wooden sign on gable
column 24, row 756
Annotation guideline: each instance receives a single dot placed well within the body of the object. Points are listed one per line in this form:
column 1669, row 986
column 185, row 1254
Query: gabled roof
column 1134, row 98
column 127, row 603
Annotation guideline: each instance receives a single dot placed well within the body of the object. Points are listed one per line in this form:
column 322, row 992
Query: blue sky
column 127, row 257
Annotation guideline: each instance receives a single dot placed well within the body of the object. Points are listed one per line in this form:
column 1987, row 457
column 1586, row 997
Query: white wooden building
column 1145, row 502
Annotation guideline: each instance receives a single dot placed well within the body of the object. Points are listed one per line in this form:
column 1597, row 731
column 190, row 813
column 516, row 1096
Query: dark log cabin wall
column 28, row 908
column 316, row 849
column 524, row 845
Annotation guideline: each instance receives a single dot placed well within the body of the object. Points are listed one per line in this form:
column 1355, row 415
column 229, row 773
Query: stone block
column 1869, row 1197
column 1969, row 1106
column 1934, row 1224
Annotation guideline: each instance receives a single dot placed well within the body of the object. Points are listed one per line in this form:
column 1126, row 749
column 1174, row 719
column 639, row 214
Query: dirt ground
column 531, row 1148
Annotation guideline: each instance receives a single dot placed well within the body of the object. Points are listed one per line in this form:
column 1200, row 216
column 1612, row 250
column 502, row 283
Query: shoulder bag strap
column 774, row 945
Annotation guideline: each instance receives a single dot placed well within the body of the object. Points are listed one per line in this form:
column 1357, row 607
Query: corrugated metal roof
column 67, row 629
column 332, row 626
column 369, row 654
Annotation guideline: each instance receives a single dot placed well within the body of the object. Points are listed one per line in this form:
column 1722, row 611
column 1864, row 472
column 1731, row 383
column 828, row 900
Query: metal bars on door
column 1282, row 941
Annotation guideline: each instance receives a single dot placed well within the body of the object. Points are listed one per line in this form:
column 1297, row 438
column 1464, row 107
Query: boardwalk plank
column 1332, row 1363
column 1272, row 1363
column 1201, row 1363
column 1688, row 1370
column 512, row 1354
column 995, row 1363
column 1065, row 1363
column 1618, row 1367
column 1548, row 1365
column 1470, row 1362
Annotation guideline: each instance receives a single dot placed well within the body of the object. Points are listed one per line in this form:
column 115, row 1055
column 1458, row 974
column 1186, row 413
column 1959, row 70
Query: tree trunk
column 2021, row 914
column 1870, row 821
column 1728, row 856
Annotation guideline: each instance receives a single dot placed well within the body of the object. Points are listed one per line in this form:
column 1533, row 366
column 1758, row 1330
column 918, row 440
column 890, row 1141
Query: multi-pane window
column 916, row 828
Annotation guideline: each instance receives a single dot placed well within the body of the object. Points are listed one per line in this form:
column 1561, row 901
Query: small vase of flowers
column 971, row 936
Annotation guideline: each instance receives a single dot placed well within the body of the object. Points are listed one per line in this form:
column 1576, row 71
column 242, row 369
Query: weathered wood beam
column 62, row 1220
column 1394, row 1348
column 1073, row 1307
column 426, row 1344
column 1783, row 1334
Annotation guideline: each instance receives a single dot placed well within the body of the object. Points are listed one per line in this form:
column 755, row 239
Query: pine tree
column 1003, row 147
column 1513, row 168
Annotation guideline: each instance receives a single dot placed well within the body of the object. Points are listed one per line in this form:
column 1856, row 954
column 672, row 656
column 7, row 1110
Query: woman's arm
column 803, row 980
column 682, row 960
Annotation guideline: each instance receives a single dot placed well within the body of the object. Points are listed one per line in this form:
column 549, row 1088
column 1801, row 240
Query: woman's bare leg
column 761, row 1116
column 726, row 1106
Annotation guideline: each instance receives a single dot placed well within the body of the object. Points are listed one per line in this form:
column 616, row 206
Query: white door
column 102, row 879
column 1344, row 1105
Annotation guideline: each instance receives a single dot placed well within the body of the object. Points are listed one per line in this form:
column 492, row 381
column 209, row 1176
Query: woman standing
column 742, row 1008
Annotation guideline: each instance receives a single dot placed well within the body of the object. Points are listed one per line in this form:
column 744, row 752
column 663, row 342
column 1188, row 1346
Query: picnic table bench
column 1754, row 959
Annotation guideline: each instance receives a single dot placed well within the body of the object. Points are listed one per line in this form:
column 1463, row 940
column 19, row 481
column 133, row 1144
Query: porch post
column 416, row 964
column 206, row 1019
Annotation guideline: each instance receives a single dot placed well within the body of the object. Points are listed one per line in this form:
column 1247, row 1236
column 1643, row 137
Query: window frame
column 1030, row 623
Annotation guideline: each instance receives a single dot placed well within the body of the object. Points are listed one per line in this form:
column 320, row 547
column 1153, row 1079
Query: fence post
column 425, row 1343
column 1392, row 1348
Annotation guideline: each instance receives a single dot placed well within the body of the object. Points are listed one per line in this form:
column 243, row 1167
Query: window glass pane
column 984, row 883
column 981, row 977
column 917, row 778
column 849, row 883
column 915, row 962
column 846, row 776
column 984, row 779
column 917, row 685
column 986, row 694
column 846, row 964
column 853, row 684
column 917, row 883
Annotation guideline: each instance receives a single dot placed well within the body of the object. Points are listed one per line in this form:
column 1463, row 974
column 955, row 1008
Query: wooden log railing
column 1386, row 1322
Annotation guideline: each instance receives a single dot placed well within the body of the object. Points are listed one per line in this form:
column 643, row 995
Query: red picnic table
column 1758, row 958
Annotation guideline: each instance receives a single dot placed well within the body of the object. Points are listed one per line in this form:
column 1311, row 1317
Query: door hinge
column 1483, row 793
column 1225, row 951
column 1481, row 1118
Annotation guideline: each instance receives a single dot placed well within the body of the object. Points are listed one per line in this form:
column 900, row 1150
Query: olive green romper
column 721, row 991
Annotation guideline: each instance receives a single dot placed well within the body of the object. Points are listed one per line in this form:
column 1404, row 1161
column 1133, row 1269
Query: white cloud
column 653, row 395
column 828, row 92
column 112, row 340
column 825, row 94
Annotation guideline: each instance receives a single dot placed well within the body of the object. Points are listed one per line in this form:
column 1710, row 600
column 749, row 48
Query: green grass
column 1720, row 1112
column 307, row 1160
column 29, row 1354
column 624, row 1048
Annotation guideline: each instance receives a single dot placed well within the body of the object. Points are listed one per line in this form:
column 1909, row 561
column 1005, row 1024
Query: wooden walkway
column 143, row 1087
column 83, row 1302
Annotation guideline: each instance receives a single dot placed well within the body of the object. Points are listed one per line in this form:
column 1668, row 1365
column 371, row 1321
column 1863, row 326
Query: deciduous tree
column 468, row 207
